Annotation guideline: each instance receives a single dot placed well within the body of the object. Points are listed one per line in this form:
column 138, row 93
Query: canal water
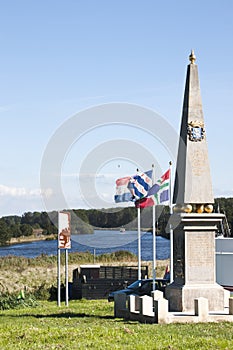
column 100, row 242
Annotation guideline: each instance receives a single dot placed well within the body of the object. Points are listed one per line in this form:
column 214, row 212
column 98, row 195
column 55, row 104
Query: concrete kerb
column 120, row 307
column 230, row 306
column 140, row 310
column 201, row 309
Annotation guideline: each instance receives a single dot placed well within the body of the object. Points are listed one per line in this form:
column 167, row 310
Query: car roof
column 151, row 280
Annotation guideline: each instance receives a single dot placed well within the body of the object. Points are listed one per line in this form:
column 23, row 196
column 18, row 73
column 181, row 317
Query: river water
column 102, row 241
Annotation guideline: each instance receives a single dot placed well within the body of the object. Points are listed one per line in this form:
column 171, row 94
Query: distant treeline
column 85, row 221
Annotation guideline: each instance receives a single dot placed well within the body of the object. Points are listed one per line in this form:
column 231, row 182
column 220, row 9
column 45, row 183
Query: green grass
column 86, row 324
column 89, row 324
column 44, row 260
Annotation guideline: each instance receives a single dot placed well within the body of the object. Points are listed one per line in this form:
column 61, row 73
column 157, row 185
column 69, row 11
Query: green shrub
column 12, row 301
column 41, row 293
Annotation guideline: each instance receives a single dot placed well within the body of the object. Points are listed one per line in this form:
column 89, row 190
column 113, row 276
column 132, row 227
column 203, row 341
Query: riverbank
column 32, row 238
column 18, row 273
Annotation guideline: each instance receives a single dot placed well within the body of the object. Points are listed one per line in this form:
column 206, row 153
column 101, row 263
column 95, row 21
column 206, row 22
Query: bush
column 12, row 301
column 42, row 292
column 120, row 255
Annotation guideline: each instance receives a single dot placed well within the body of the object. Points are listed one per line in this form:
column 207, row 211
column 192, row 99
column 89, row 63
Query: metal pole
column 58, row 277
column 171, row 255
column 139, row 245
column 154, row 233
column 154, row 246
column 67, row 279
column 171, row 230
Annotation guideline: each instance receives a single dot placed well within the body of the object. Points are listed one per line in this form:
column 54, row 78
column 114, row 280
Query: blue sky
column 59, row 58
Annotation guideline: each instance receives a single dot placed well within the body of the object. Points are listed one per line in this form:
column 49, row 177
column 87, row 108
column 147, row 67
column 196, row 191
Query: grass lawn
column 89, row 324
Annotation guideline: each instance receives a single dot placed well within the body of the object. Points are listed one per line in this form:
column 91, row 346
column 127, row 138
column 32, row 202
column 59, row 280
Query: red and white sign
column 64, row 230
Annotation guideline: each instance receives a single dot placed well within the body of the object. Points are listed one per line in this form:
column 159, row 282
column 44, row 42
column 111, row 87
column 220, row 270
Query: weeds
column 43, row 260
column 38, row 275
column 12, row 301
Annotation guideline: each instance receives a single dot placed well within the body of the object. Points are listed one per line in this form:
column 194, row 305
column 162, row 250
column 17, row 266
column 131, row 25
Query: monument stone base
column 194, row 262
column 181, row 298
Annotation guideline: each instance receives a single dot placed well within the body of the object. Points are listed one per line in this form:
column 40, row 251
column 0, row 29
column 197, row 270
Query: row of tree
column 84, row 221
column 17, row 226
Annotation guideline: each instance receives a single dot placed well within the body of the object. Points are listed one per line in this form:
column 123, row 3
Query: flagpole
column 170, row 226
column 154, row 233
column 67, row 278
column 58, row 276
column 139, row 245
column 139, row 241
column 135, row 191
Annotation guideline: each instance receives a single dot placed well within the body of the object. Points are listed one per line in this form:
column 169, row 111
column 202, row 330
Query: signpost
column 64, row 242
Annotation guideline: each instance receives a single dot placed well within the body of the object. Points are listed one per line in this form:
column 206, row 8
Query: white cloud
column 7, row 191
column 12, row 191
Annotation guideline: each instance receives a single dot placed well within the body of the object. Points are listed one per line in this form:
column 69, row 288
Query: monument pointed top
column 192, row 57
column 193, row 184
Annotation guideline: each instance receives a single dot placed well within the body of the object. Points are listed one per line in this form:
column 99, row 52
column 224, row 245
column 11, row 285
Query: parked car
column 141, row 287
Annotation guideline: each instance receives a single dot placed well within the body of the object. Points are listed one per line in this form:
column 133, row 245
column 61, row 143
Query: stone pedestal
column 194, row 262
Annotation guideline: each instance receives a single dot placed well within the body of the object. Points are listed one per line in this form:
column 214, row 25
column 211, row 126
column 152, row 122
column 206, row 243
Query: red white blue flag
column 158, row 193
column 131, row 188
column 140, row 184
column 123, row 193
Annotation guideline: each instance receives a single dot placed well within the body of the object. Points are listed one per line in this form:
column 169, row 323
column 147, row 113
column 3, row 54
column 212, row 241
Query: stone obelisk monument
column 193, row 221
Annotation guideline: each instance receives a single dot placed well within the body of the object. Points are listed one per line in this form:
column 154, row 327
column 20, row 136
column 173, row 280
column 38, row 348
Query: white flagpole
column 139, row 241
column 154, row 233
column 58, row 277
column 67, row 278
column 139, row 245
column 154, row 247
column 171, row 230
column 58, row 268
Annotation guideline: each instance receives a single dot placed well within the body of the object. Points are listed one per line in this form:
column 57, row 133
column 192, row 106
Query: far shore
column 32, row 238
column 41, row 237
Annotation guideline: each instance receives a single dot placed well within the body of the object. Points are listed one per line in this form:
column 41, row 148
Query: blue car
column 141, row 287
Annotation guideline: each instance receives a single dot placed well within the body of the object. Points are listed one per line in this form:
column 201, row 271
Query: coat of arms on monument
column 196, row 130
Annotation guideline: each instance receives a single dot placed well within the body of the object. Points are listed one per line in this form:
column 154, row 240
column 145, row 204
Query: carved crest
column 196, row 130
